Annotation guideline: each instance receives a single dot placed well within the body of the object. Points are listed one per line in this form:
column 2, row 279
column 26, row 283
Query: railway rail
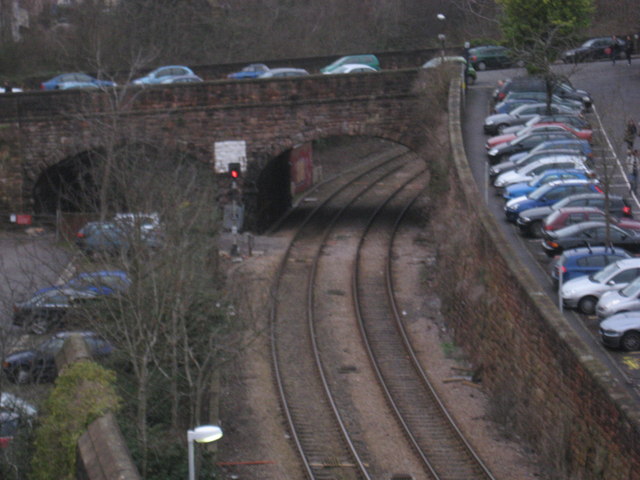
column 320, row 318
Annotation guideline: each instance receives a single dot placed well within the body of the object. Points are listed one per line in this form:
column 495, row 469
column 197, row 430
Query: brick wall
column 542, row 378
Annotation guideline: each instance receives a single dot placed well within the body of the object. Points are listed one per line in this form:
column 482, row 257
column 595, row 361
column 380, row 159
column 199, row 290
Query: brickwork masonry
column 544, row 383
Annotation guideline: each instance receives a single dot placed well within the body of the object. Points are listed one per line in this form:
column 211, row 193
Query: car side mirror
column 611, row 283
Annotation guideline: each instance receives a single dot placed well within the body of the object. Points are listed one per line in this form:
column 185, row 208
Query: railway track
column 333, row 354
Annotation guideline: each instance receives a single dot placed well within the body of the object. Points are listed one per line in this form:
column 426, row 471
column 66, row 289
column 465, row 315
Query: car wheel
column 630, row 341
column 587, row 305
column 481, row 66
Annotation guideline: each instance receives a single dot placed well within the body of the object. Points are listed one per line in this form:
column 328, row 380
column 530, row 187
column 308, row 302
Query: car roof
column 596, row 249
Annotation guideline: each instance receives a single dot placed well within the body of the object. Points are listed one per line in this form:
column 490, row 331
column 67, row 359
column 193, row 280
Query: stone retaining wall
column 544, row 383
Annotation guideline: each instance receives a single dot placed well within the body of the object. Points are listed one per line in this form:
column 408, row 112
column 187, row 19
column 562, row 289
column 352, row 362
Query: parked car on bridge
column 487, row 57
column 627, row 299
column 589, row 233
column 552, row 175
column 583, row 293
column 530, row 221
column 366, row 59
column 593, row 49
column 580, row 261
column 253, row 70
column 15, row 414
column 352, row 68
column 621, row 330
column 471, row 75
column 38, row 364
column 162, row 74
column 65, row 81
column 284, row 72
column 547, row 195
column 182, row 79
column 496, row 123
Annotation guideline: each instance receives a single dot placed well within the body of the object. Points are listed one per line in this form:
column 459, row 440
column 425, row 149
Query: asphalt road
column 613, row 105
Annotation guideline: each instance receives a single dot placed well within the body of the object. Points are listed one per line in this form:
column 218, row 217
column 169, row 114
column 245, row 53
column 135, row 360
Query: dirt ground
column 256, row 444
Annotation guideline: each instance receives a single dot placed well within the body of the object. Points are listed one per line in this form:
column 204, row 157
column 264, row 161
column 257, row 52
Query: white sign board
column 231, row 151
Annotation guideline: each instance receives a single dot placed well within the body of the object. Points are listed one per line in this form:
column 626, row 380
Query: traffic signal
column 234, row 170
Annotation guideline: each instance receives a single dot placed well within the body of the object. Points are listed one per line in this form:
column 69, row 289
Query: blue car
column 577, row 262
column 524, row 188
column 548, row 195
column 66, row 81
column 581, row 146
column 163, row 74
column 250, row 71
column 101, row 282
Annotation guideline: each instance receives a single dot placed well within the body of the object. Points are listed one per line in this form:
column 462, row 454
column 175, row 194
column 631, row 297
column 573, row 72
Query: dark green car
column 490, row 56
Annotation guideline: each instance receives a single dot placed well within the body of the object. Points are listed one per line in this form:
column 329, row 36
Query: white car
column 621, row 330
column 583, row 293
column 352, row 68
column 527, row 172
column 626, row 299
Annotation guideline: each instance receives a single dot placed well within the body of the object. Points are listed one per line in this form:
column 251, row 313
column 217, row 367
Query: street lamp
column 442, row 37
column 201, row 434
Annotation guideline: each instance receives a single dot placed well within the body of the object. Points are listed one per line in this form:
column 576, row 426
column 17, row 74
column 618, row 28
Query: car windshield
column 607, row 272
column 540, row 192
column 631, row 290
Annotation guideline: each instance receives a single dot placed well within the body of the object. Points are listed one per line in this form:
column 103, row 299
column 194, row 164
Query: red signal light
column 234, row 170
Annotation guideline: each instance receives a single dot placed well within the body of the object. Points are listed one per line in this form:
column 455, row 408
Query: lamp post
column 442, row 37
column 201, row 434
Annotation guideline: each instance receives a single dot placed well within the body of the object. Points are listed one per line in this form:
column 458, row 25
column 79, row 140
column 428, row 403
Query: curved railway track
column 321, row 378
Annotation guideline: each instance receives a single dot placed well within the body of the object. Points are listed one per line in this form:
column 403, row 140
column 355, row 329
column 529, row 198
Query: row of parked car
column 542, row 166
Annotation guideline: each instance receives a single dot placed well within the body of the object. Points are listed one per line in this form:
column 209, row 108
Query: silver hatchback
column 626, row 299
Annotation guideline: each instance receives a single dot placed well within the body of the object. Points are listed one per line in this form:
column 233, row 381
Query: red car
column 569, row 215
column 540, row 127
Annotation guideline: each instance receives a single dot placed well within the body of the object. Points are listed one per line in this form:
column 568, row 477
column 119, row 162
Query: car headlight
column 493, row 151
column 489, row 122
column 522, row 219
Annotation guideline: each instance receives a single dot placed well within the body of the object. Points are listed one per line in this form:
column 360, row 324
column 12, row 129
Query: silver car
column 626, row 299
column 583, row 293
column 621, row 330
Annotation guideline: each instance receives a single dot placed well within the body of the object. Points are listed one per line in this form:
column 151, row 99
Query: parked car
column 525, row 143
column 532, row 156
column 111, row 238
column 516, row 99
column 627, row 299
column 352, row 68
column 496, row 123
column 366, row 59
column 529, row 171
column 581, row 147
column 552, row 175
column 561, row 87
column 622, row 331
column 593, row 49
column 44, row 310
column 74, row 80
column 253, row 70
column 486, row 57
column 284, row 72
column 583, row 293
column 143, row 221
column 577, row 121
column 15, row 414
column 471, row 75
column 162, row 74
column 547, row 195
column 577, row 262
column 182, row 79
column 530, row 221
column 589, row 233
column 496, row 140
column 38, row 364
column 100, row 282
column 563, row 217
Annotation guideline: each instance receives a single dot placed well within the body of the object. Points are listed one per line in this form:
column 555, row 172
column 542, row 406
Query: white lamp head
column 441, row 16
column 204, row 434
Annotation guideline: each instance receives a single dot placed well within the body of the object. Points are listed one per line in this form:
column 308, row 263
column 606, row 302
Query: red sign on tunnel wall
column 300, row 160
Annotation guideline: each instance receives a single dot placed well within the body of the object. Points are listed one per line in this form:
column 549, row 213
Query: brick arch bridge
column 39, row 130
